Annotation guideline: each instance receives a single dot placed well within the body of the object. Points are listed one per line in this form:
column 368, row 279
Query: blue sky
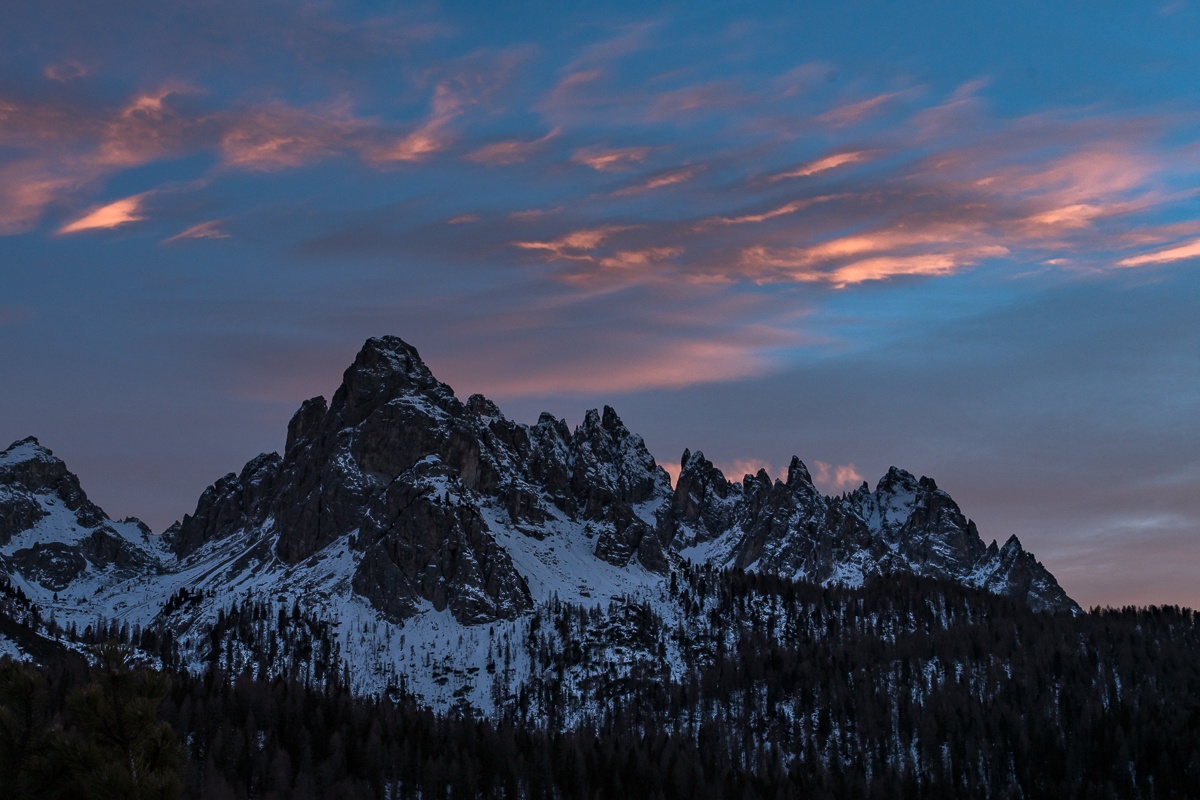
column 959, row 238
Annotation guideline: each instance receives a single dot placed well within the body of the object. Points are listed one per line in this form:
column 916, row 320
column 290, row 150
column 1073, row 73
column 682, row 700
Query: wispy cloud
column 511, row 151
column 824, row 164
column 660, row 180
column 204, row 230
column 576, row 245
column 432, row 135
column 610, row 160
column 113, row 215
column 1165, row 256
column 277, row 136
column 856, row 112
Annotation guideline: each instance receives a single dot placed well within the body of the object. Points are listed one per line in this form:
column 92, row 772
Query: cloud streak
column 113, row 215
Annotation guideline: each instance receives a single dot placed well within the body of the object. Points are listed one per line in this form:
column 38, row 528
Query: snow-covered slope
column 419, row 538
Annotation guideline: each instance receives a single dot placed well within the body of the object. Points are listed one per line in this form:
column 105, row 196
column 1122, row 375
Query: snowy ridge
column 408, row 541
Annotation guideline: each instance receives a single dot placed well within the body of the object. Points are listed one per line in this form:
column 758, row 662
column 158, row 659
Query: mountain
column 417, row 536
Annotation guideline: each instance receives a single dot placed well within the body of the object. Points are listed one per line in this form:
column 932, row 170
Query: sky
column 959, row 238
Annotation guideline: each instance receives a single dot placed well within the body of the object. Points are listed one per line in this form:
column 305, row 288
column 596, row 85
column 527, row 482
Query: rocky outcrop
column 421, row 488
column 27, row 469
column 907, row 524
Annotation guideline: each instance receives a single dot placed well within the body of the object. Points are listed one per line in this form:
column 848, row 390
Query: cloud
column 204, row 230
column 277, row 136
column 704, row 97
column 851, row 113
column 1177, row 253
column 512, row 151
column 65, row 71
column 576, row 245
column 662, row 179
column 26, row 189
column 822, row 165
column 113, row 215
column 798, row 265
column 779, row 211
column 738, row 468
column 836, row 478
column 610, row 160
column 627, row 259
column 621, row 365
column 432, row 135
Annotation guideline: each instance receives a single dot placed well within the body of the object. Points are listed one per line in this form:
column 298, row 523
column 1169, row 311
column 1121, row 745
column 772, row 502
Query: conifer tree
column 118, row 749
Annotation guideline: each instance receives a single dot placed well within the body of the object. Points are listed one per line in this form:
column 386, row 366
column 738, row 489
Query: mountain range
column 418, row 536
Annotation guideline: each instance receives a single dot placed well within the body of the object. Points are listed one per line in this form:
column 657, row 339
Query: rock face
column 789, row 528
column 401, row 466
column 53, row 536
column 427, row 501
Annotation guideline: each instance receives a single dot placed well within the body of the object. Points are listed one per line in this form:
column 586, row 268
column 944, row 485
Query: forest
column 905, row 687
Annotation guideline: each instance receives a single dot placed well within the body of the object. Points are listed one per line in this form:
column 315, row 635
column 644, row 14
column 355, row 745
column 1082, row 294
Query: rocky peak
column 385, row 368
column 798, row 476
column 482, row 407
column 612, row 459
column 306, row 423
column 29, row 468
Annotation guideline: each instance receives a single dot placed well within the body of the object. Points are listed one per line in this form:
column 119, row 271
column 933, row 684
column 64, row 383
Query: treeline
column 734, row 685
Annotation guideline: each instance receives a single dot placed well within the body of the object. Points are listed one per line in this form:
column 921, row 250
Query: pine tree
column 118, row 749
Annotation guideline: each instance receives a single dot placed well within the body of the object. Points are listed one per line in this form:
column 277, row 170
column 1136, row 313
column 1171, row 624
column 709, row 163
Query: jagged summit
column 396, row 503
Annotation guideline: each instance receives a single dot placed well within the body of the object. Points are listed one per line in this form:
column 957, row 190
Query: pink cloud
column 663, row 179
column 146, row 129
column 26, row 190
column 779, row 211
column 715, row 96
column 624, row 368
column 1165, row 256
column 65, row 71
column 277, row 136
column 432, row 135
column 822, row 165
column 650, row 256
column 609, row 160
column 113, row 215
column 736, row 469
column 836, row 477
column 512, row 151
column 576, row 245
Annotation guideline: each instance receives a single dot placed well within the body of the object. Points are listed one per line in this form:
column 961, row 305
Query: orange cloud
column 113, row 215
column 739, row 467
column 575, row 245
column 626, row 259
column 622, row 368
column 822, row 164
column 611, row 160
column 836, row 478
column 146, row 129
column 431, row 136
column 1178, row 253
column 26, row 189
column 780, row 211
column 671, row 178
column 510, row 152
column 797, row 264
column 277, row 136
